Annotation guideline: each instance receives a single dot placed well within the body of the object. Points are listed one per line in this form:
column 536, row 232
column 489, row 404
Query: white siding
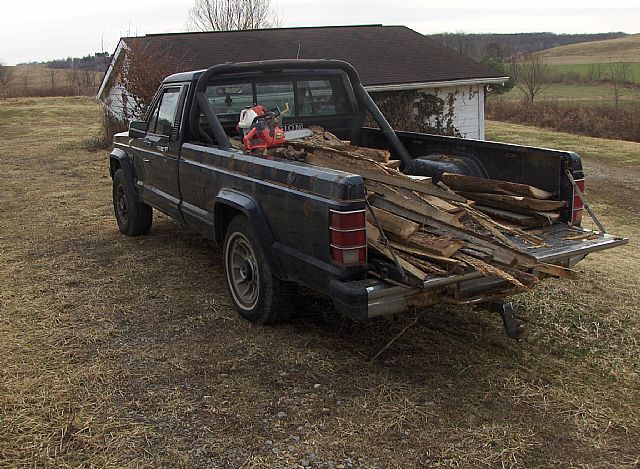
column 468, row 108
column 118, row 105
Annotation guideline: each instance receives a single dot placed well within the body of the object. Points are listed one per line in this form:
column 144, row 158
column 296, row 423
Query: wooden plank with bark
column 515, row 201
column 459, row 182
column 376, row 173
column 394, row 204
column 393, row 223
column 406, row 266
column 521, row 219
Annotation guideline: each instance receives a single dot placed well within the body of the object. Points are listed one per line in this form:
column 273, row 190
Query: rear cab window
column 305, row 98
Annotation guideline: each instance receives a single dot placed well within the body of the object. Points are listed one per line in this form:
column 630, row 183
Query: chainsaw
column 261, row 128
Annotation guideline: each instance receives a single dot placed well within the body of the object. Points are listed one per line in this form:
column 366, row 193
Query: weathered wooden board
column 515, row 201
column 378, row 174
column 393, row 223
column 459, row 182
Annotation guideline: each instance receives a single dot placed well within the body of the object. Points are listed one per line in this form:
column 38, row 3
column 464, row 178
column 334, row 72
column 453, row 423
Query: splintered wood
column 461, row 225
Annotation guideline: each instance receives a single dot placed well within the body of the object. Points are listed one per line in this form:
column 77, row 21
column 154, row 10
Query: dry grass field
column 125, row 352
column 38, row 80
column 623, row 49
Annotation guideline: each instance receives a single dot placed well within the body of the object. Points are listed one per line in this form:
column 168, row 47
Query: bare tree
column 531, row 75
column 52, row 73
column 25, row 83
column 6, row 75
column 618, row 74
column 88, row 78
column 227, row 15
column 73, row 80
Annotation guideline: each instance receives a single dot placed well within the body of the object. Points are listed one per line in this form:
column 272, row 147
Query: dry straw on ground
column 124, row 352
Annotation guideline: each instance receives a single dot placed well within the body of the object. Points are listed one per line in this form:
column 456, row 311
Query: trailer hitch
column 514, row 328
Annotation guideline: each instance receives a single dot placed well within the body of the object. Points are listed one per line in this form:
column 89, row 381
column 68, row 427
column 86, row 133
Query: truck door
column 159, row 151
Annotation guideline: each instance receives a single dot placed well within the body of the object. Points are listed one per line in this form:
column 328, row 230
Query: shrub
column 109, row 126
column 592, row 120
column 417, row 111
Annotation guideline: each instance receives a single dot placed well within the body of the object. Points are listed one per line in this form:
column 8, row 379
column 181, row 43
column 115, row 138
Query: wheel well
column 222, row 216
column 114, row 165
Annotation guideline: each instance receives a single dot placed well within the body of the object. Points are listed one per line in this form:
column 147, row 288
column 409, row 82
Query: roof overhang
column 437, row 84
column 107, row 74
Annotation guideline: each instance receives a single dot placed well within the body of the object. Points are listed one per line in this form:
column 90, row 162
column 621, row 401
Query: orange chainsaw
column 261, row 128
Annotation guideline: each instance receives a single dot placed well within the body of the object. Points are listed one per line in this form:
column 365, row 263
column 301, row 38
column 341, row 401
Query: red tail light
column 348, row 237
column 578, row 206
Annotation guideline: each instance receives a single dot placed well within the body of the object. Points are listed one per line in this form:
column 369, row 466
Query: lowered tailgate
column 565, row 245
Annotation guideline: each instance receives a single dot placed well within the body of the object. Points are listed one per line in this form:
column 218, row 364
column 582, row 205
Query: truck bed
column 382, row 297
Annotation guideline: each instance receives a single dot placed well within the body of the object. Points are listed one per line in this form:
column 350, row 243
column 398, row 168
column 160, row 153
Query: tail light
column 578, row 205
column 348, row 236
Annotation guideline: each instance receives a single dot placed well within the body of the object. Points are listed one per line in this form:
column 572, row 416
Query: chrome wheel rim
column 242, row 271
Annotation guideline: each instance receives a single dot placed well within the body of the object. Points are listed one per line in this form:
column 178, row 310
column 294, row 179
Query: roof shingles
column 383, row 55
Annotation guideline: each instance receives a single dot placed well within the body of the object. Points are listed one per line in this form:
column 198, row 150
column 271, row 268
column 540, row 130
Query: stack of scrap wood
column 462, row 224
column 518, row 203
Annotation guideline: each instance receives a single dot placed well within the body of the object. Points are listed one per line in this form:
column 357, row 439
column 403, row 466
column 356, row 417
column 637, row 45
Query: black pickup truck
column 279, row 221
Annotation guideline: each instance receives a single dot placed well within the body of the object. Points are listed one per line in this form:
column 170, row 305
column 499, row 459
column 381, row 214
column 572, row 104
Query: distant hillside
column 624, row 49
column 98, row 61
column 507, row 45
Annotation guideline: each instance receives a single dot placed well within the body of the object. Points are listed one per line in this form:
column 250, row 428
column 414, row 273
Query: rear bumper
column 366, row 299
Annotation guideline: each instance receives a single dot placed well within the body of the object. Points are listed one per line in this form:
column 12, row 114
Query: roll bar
column 200, row 101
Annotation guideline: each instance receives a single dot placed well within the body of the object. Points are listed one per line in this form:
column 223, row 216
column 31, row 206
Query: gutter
column 436, row 84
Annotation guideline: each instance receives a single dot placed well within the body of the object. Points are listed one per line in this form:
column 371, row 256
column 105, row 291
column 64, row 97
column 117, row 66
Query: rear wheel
column 133, row 217
column 256, row 293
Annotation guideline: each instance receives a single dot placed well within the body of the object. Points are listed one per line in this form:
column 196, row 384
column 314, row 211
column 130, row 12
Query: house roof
column 384, row 56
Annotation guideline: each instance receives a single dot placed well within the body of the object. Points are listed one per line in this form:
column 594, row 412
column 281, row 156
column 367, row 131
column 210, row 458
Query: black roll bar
column 200, row 101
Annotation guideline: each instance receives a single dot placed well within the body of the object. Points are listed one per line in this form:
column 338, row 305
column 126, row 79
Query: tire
column 134, row 218
column 255, row 292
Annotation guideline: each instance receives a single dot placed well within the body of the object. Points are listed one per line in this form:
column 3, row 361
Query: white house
column 390, row 59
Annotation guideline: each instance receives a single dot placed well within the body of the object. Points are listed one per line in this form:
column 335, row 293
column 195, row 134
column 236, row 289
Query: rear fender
column 118, row 159
column 241, row 203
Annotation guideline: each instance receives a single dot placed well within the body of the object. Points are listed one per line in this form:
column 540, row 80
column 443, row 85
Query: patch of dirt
column 125, row 352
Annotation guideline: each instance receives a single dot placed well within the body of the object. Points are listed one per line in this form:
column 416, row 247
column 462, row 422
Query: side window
column 317, row 98
column 166, row 112
column 154, row 118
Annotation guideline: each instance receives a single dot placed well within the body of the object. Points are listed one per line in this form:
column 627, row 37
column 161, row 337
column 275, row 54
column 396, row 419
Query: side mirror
column 137, row 129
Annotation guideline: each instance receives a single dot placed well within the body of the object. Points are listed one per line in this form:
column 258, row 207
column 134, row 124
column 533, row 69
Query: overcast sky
column 45, row 29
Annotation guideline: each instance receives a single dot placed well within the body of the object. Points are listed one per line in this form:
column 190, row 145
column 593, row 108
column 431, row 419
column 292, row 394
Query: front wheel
column 255, row 292
column 133, row 217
